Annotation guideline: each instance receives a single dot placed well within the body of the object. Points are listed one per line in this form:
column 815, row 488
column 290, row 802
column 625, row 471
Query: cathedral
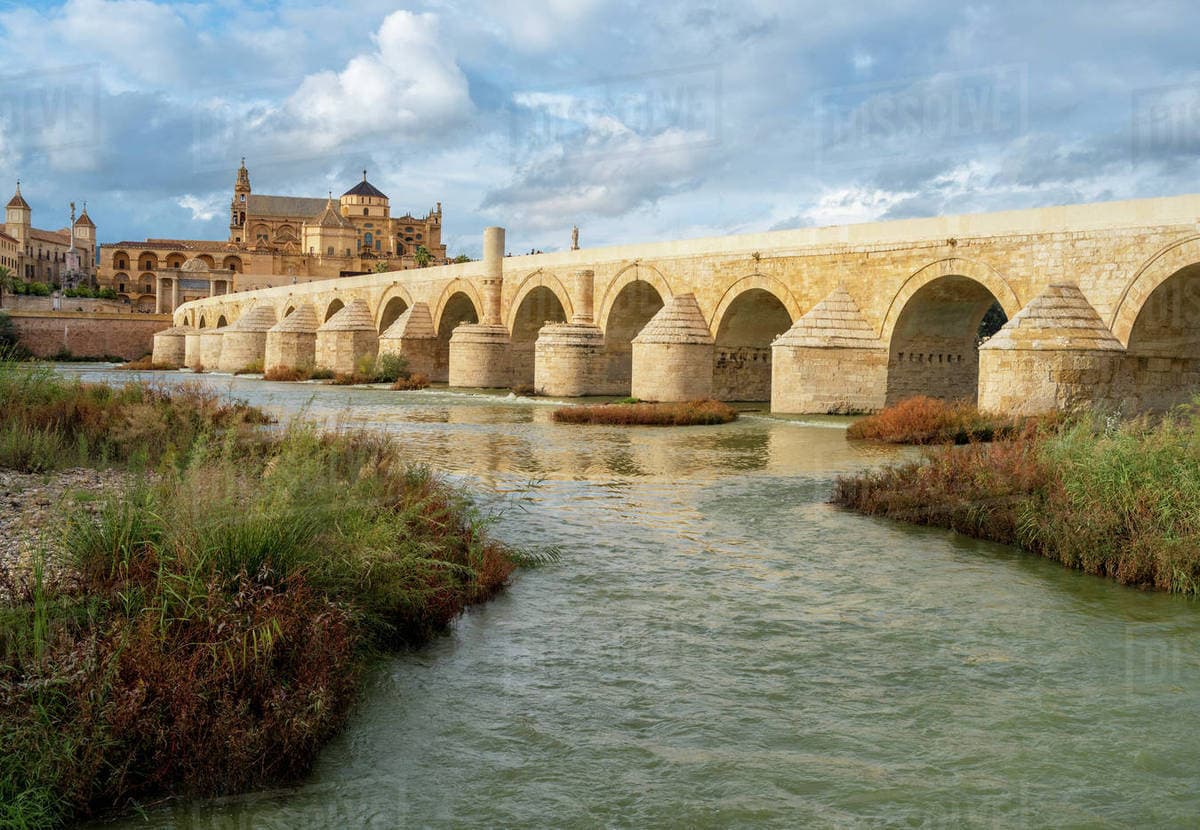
column 277, row 240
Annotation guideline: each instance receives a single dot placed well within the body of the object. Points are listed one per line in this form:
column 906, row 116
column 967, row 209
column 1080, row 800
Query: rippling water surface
column 718, row 647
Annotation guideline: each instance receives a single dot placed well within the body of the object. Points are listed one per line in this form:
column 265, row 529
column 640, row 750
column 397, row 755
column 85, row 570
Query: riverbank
column 201, row 625
column 1119, row 500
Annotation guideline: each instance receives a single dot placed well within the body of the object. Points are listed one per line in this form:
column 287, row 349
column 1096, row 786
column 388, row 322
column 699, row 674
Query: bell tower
column 18, row 217
column 237, row 208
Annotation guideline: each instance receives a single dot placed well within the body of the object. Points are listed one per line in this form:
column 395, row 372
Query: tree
column 461, row 258
column 381, row 267
column 422, row 256
column 7, row 281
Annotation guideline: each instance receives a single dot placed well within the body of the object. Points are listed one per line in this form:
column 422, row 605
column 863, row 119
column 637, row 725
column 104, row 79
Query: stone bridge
column 1102, row 303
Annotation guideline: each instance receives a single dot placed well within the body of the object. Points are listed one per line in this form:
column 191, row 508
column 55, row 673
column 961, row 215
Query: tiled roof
column 293, row 207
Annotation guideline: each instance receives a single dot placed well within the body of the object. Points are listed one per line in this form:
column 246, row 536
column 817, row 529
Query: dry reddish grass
column 922, row 420
column 145, row 364
column 413, row 382
column 690, row 413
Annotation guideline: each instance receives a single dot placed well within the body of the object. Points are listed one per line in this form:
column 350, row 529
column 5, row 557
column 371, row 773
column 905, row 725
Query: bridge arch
column 335, row 305
column 1161, row 267
column 932, row 328
column 752, row 313
column 633, row 272
column 1158, row 320
column 459, row 303
column 631, row 299
column 533, row 281
column 394, row 302
column 457, row 286
column 540, row 299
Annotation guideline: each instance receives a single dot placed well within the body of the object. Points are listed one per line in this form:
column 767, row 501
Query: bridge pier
column 170, row 347
column 1056, row 354
column 211, row 341
column 245, row 341
column 191, row 349
column 569, row 358
column 347, row 337
column 829, row 361
column 412, row 337
column 673, row 355
column 292, row 342
column 481, row 353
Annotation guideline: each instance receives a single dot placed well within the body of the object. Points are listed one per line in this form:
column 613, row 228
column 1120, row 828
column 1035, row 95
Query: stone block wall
column 570, row 361
column 742, row 373
column 47, row 333
column 1033, row 382
column 840, row 381
column 672, row 371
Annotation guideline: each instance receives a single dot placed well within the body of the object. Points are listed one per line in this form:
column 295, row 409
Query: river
column 718, row 647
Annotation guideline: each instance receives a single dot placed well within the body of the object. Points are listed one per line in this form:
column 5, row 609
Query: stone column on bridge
column 1055, row 354
column 480, row 353
column 245, row 343
column 346, row 338
column 673, row 355
column 413, row 337
column 569, row 358
column 829, row 361
column 292, row 342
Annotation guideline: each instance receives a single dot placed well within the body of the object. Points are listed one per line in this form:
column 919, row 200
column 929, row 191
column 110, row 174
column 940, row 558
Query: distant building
column 279, row 240
column 53, row 257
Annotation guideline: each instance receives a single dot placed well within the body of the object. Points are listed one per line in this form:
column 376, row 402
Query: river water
column 718, row 647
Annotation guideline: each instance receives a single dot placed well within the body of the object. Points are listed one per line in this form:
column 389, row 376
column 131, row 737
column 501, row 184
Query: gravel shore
column 34, row 506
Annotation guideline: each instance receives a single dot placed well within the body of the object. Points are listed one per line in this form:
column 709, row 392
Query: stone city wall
column 47, row 333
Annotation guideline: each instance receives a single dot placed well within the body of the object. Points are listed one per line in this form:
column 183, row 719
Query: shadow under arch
column 631, row 300
column 933, row 329
column 394, row 302
column 753, row 312
column 1158, row 320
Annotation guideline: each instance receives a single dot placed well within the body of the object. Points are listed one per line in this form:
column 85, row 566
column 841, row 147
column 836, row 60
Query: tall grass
column 1120, row 501
column 48, row 421
column 208, row 626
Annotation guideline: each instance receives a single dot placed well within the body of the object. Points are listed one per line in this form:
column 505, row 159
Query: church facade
column 278, row 240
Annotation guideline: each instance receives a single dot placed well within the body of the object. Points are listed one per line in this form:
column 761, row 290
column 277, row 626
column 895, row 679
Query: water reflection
column 719, row 647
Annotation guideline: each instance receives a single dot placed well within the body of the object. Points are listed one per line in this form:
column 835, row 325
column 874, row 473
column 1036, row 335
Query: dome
column 365, row 188
column 195, row 266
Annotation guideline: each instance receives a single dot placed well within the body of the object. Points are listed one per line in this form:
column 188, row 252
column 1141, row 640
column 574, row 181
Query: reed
column 209, row 625
column 1120, row 500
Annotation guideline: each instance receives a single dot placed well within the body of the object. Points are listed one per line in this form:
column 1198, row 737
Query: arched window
column 368, row 239
column 366, row 212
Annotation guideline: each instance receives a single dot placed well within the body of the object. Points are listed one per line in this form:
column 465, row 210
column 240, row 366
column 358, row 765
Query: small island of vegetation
column 1112, row 497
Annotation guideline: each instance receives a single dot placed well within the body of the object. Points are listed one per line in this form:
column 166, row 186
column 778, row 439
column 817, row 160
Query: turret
column 18, row 216
column 85, row 239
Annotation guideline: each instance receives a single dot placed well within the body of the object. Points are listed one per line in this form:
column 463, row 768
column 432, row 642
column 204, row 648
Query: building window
column 241, row 197
column 377, row 244
column 329, row 251
column 367, row 239
column 366, row 212
column 418, row 236
column 121, row 287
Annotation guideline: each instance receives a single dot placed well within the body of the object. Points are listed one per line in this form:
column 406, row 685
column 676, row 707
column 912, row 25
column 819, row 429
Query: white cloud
column 203, row 208
column 410, row 84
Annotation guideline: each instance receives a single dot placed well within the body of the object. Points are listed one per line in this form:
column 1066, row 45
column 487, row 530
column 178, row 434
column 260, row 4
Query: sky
column 635, row 121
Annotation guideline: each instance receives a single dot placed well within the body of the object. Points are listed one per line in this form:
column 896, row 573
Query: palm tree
column 7, row 281
column 422, row 256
